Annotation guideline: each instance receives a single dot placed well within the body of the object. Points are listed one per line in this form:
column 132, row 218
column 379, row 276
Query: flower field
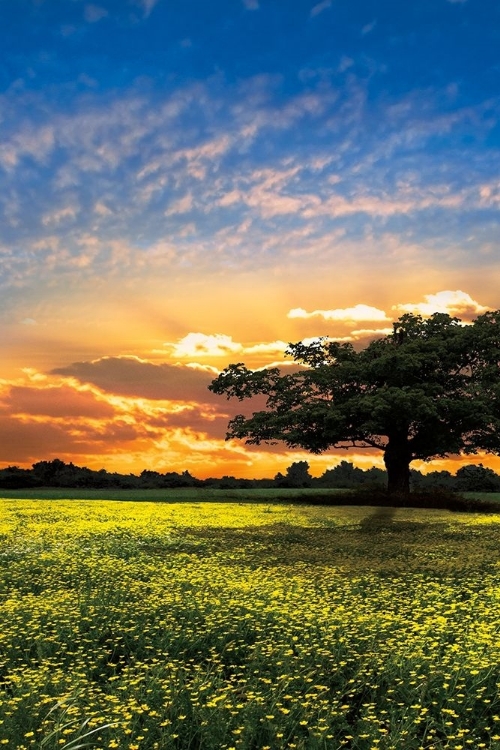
column 248, row 626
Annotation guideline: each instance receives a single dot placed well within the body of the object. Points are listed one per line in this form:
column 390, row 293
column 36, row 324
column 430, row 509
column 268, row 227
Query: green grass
column 182, row 494
column 191, row 494
column 208, row 626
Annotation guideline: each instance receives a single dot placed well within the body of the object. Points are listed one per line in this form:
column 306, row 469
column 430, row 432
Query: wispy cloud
column 320, row 7
column 60, row 215
column 94, row 13
column 368, row 28
column 213, row 161
column 181, row 206
column 146, row 5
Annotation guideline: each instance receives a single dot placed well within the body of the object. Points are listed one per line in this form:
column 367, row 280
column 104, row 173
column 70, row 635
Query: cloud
column 455, row 303
column 489, row 194
column 251, row 4
column 134, row 377
column 59, row 216
column 102, row 210
column 264, row 191
column 320, row 7
column 180, row 206
column 146, row 5
column 202, row 345
column 403, row 201
column 368, row 28
column 345, row 63
column 61, row 401
column 346, row 315
column 94, row 13
column 23, row 443
column 220, row 345
column 108, row 169
column 45, row 417
column 119, row 412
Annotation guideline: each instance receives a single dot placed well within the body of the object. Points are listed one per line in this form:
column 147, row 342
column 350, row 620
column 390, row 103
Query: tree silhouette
column 431, row 388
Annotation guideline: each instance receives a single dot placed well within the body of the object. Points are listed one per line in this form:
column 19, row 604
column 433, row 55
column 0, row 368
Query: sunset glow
column 187, row 185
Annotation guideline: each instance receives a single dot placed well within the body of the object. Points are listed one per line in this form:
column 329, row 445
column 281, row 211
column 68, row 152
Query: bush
column 440, row 499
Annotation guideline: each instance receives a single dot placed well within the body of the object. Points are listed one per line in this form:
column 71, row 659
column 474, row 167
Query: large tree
column 429, row 389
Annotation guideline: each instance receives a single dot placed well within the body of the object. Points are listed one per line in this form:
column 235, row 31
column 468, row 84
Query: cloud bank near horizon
column 125, row 411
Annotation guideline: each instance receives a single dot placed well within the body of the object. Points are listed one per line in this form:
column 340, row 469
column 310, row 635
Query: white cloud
column 405, row 201
column 320, row 7
column 135, row 152
column 94, row 13
column 181, row 206
column 347, row 315
column 56, row 217
column 271, row 204
column 102, row 210
column 203, row 345
column 9, row 156
column 266, row 196
column 368, row 27
column 251, row 4
column 147, row 6
column 345, row 63
column 221, row 345
column 230, row 198
column 489, row 194
column 209, row 151
column 455, row 303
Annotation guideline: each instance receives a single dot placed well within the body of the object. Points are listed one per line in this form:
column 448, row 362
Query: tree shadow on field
column 379, row 519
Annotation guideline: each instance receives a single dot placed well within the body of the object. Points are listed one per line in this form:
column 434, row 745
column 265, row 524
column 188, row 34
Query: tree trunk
column 397, row 458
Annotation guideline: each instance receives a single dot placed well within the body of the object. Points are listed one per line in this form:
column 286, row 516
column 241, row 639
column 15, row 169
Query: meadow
column 252, row 626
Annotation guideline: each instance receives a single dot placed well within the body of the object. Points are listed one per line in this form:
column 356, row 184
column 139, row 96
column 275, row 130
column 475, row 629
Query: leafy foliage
column 430, row 388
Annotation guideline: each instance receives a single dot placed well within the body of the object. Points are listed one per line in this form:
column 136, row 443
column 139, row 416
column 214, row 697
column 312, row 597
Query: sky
column 189, row 184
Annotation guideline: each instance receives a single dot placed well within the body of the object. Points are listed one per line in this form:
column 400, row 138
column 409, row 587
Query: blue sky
column 187, row 174
column 151, row 120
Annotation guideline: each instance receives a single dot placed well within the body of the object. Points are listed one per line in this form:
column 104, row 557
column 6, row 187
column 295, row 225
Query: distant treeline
column 57, row 473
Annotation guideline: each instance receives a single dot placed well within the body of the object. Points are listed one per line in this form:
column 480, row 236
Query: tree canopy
column 429, row 389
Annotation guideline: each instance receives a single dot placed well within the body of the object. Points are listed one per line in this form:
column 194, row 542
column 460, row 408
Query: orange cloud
column 51, row 417
column 122, row 413
column 131, row 376
column 59, row 401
